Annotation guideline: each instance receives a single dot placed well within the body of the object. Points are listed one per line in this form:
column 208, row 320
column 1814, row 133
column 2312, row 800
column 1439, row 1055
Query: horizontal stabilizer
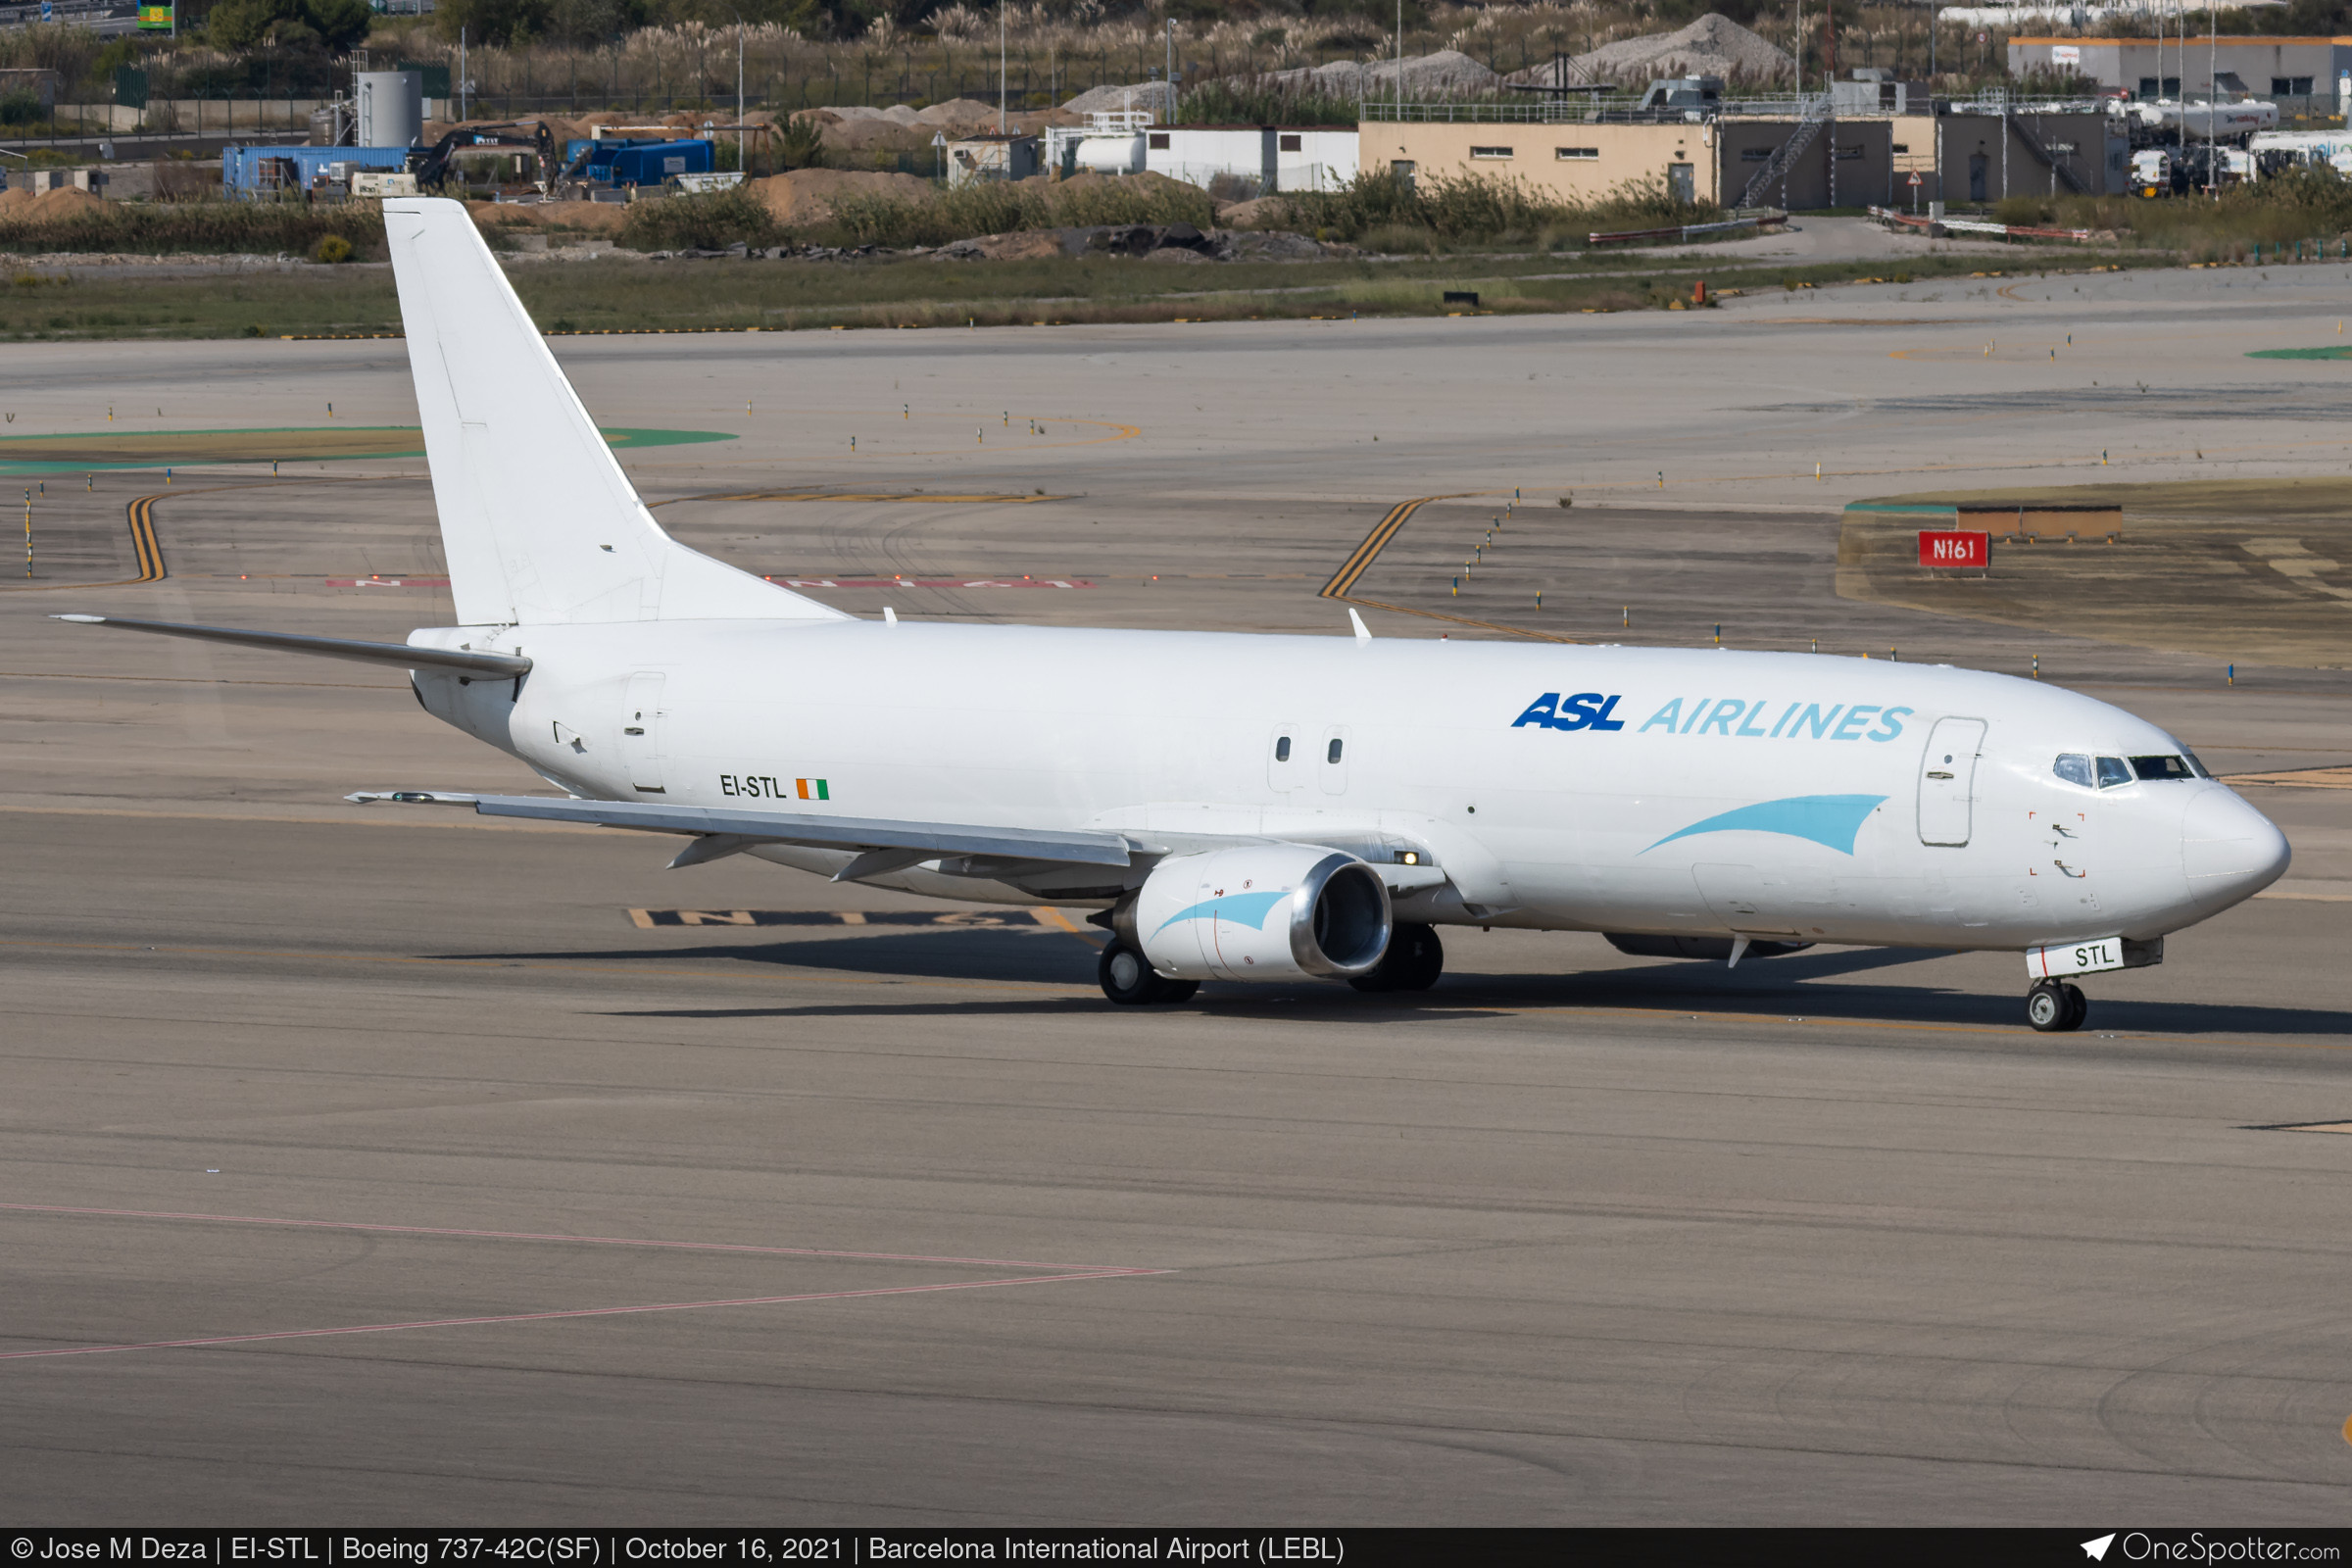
column 411, row 796
column 821, row 832
column 502, row 667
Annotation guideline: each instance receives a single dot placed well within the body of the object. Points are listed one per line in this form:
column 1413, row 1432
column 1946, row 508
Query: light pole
column 1000, row 76
column 742, row 162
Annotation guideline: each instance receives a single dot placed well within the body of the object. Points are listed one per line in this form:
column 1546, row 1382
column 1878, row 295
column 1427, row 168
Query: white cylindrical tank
column 391, row 108
column 1111, row 155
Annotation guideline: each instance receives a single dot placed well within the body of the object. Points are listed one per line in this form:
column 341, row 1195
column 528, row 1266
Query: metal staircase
column 1817, row 115
column 2063, row 169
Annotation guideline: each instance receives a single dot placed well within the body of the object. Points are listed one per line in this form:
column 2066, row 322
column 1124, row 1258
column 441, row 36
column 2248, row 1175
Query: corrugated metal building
column 2267, row 67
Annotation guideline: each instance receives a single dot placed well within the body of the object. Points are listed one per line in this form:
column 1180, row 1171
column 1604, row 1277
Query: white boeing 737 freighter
column 1255, row 808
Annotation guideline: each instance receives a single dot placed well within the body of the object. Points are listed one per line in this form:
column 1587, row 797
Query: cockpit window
column 2075, row 769
column 2197, row 767
column 2114, row 770
column 2162, row 767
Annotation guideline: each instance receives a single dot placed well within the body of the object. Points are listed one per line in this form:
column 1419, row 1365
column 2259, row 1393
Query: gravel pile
column 1102, row 100
column 1446, row 71
column 1712, row 46
column 1449, row 71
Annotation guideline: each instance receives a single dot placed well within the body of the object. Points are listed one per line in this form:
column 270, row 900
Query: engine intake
column 1266, row 913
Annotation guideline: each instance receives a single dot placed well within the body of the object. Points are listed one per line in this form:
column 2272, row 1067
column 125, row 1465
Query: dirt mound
column 959, row 114
column 806, row 195
column 596, row 217
column 1261, row 212
column 1026, row 245
column 1142, row 180
column 1712, row 46
column 47, row 205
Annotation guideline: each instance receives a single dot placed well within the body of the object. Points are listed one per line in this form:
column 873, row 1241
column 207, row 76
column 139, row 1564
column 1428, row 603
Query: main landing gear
column 1129, row 981
column 1414, row 961
column 2054, row 1007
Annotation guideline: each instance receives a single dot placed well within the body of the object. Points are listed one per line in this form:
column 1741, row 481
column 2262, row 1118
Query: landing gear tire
column 2054, row 1007
column 1127, row 979
column 1414, row 961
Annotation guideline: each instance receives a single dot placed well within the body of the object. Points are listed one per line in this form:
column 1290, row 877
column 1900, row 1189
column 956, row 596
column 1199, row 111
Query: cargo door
column 641, row 733
column 1948, row 781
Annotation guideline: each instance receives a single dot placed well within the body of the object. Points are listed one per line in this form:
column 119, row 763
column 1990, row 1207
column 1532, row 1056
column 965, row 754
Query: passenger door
column 641, row 733
column 1947, row 779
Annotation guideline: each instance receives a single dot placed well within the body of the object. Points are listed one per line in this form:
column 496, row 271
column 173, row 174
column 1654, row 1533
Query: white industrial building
column 1235, row 161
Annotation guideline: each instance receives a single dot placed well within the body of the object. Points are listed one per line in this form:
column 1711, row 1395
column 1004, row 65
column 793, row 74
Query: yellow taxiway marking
column 1048, row 915
column 1359, row 560
column 143, row 541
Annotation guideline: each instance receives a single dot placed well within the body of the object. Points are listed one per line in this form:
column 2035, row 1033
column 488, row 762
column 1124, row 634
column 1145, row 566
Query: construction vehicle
column 431, row 166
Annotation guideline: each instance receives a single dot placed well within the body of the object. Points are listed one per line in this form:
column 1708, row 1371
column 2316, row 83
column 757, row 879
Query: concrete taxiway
column 391, row 1167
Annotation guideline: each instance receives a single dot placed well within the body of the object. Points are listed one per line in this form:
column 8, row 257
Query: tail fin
column 539, row 524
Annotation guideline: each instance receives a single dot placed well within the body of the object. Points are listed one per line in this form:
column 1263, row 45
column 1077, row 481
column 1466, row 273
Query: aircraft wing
column 883, row 846
column 821, row 832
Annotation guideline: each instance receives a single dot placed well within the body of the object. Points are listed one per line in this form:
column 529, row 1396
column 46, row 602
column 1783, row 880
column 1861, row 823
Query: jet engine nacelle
column 1276, row 912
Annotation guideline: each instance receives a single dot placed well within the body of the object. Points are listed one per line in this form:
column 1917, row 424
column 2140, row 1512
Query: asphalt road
column 394, row 1168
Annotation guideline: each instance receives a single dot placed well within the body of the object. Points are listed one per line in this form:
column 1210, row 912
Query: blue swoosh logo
column 1831, row 820
column 1242, row 909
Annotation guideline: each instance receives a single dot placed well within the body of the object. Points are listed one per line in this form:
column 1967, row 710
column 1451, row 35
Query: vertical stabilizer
column 539, row 524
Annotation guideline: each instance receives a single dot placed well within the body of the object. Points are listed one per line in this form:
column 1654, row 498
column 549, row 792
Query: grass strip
column 617, row 295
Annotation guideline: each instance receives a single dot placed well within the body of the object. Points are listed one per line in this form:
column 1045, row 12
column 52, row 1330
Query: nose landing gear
column 2054, row 1007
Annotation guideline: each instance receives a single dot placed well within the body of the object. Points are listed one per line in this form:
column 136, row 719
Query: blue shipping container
column 241, row 167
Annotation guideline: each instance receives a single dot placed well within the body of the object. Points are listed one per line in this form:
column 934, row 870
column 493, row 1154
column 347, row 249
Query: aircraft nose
column 2228, row 850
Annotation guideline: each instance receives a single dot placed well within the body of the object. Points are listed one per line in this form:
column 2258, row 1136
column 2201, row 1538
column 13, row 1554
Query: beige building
column 1573, row 161
column 1851, row 160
